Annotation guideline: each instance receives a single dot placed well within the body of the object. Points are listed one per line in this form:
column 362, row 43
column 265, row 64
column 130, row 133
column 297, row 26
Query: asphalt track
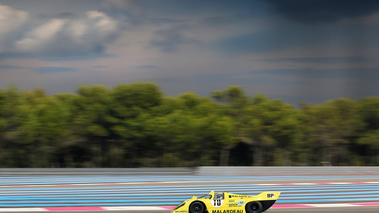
column 139, row 193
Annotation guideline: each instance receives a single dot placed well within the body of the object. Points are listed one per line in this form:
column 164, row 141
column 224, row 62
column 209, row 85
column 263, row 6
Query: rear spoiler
column 267, row 199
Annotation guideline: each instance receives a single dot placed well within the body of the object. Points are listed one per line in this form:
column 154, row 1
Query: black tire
column 196, row 207
column 254, row 207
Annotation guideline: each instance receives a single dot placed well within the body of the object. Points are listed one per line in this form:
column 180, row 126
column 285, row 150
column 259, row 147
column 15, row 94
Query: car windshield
column 206, row 196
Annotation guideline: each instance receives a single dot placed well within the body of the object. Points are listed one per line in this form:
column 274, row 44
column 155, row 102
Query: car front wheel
column 196, row 207
column 254, row 207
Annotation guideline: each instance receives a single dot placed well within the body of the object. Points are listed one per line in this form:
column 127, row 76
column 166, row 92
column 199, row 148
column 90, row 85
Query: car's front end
column 183, row 207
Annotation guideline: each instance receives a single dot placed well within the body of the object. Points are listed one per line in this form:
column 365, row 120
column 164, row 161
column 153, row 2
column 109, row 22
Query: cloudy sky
column 295, row 50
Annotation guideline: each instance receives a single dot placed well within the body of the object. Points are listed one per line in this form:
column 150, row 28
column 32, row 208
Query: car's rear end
column 262, row 201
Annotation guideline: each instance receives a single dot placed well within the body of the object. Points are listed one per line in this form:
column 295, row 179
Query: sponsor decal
column 270, row 195
column 238, row 196
column 238, row 204
column 228, row 211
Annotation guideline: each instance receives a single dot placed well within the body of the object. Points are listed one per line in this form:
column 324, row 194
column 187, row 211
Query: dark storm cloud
column 164, row 20
column 147, row 67
column 63, row 15
column 167, row 40
column 45, row 70
column 323, row 11
column 12, row 55
column 77, row 57
column 354, row 74
column 321, row 60
column 278, row 36
column 10, row 67
column 317, row 85
column 258, row 42
column 99, row 67
column 215, row 21
column 266, row 41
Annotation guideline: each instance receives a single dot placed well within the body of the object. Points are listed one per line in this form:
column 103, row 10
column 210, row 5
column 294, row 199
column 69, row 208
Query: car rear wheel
column 196, row 207
column 254, row 207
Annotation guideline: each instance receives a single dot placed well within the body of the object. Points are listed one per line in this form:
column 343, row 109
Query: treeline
column 135, row 125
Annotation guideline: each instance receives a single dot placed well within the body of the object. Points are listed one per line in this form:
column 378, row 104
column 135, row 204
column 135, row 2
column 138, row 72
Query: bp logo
column 217, row 203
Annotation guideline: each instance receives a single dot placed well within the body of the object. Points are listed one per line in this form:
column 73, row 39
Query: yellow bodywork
column 224, row 202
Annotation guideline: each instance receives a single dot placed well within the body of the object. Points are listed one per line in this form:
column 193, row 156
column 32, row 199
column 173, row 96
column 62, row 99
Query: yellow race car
column 224, row 202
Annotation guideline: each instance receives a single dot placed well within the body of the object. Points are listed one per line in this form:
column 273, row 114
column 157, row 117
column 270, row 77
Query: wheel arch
column 199, row 201
column 259, row 203
column 267, row 204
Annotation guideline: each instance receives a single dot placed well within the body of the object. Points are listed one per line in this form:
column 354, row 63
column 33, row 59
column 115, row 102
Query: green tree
column 369, row 111
column 192, row 132
column 274, row 129
column 93, row 120
column 45, row 129
column 2, row 128
column 14, row 154
column 371, row 139
column 367, row 144
column 134, row 125
column 132, row 106
column 332, row 128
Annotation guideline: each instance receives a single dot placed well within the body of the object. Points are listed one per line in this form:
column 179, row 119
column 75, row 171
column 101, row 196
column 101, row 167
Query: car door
column 219, row 202
column 236, row 203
